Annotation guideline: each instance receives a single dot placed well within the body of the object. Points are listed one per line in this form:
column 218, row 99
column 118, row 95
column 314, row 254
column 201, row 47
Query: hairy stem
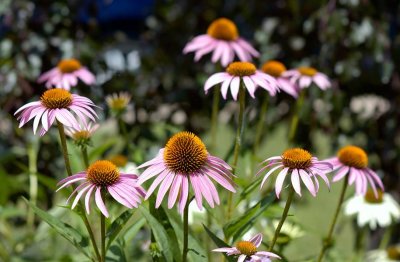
column 295, row 120
column 185, row 232
column 283, row 218
column 214, row 117
column 85, row 155
column 328, row 240
column 238, row 142
column 103, row 237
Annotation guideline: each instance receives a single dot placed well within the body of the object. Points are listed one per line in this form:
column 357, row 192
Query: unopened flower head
column 276, row 69
column 246, row 73
column 390, row 254
column 246, row 250
column 66, row 74
column 118, row 102
column 353, row 161
column 304, row 76
column 185, row 160
column 103, row 176
column 224, row 41
column 57, row 104
column 373, row 210
column 82, row 133
column 300, row 165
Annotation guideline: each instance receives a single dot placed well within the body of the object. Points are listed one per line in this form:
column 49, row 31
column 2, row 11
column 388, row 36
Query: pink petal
column 307, row 182
column 279, row 181
column 184, row 194
column 215, row 79
column 175, row 188
column 235, row 84
column 165, row 185
column 100, row 203
column 249, row 85
column 256, row 240
column 296, row 181
column 87, row 198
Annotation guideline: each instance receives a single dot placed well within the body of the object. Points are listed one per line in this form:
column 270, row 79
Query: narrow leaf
column 238, row 226
column 117, row 225
column 160, row 234
column 67, row 231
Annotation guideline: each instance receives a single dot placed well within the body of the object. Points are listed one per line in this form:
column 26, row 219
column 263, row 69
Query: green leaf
column 238, row 226
column 132, row 231
column 160, row 234
column 196, row 251
column 249, row 189
column 116, row 252
column 67, row 231
column 219, row 242
column 117, row 225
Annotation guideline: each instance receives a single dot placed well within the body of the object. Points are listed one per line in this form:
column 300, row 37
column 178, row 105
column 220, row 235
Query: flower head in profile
column 276, row 69
column 185, row 161
column 57, row 104
column 300, row 165
column 390, row 254
column 369, row 209
column 245, row 72
column 304, row 76
column 246, row 250
column 223, row 40
column 353, row 161
column 82, row 133
column 66, row 74
column 101, row 177
column 118, row 102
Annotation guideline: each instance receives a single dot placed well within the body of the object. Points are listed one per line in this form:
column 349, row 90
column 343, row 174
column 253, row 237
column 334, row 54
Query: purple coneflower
column 247, row 250
column 242, row 71
column 104, row 175
column 223, row 40
column 66, row 74
column 305, row 76
column 299, row 164
column 56, row 104
column 276, row 69
column 353, row 161
column 185, row 160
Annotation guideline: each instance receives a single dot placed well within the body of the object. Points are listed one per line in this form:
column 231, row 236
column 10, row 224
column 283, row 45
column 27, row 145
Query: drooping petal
column 99, row 202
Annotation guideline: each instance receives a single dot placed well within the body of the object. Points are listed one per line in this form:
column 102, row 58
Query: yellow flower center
column 102, row 173
column 118, row 102
column 393, row 253
column 56, row 98
column 241, row 69
column 353, row 156
column 185, row 153
column 119, row 160
column 246, row 247
column 307, row 71
column 81, row 135
column 69, row 65
column 273, row 68
column 223, row 29
column 296, row 158
column 370, row 197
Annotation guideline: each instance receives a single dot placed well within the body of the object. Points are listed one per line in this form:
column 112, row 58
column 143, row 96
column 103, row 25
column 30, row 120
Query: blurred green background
column 136, row 46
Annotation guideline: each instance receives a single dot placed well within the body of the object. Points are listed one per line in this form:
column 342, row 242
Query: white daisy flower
column 391, row 254
column 382, row 211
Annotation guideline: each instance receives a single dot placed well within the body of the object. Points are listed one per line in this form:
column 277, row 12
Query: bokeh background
column 136, row 46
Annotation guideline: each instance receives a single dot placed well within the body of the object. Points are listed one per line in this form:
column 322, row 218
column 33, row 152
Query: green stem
column 185, row 231
column 386, row 238
column 260, row 124
column 238, row 142
column 69, row 171
column 33, row 181
column 283, row 218
column 214, row 117
column 328, row 240
column 295, row 120
column 103, row 237
column 85, row 155
column 125, row 133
